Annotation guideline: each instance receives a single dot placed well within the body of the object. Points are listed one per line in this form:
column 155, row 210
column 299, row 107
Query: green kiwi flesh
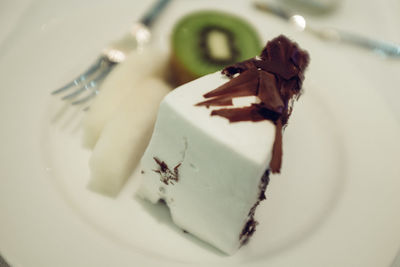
column 206, row 41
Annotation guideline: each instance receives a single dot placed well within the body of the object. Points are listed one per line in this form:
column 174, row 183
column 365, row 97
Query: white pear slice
column 125, row 137
column 123, row 79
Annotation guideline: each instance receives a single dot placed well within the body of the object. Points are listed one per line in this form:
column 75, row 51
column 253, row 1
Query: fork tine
column 86, row 98
column 98, row 75
column 93, row 84
column 93, row 68
column 78, row 91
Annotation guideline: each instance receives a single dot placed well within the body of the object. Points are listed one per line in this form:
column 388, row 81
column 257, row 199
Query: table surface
column 345, row 17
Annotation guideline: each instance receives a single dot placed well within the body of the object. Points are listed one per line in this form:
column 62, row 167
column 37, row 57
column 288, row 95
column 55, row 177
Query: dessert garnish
column 275, row 77
column 166, row 175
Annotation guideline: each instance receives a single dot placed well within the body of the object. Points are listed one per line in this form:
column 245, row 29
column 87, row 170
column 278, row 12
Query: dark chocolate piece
column 166, row 175
column 276, row 162
column 250, row 226
column 275, row 78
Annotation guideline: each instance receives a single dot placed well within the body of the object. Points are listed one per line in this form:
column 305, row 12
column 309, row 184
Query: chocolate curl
column 276, row 160
column 238, row 67
column 239, row 114
column 242, row 85
column 268, row 92
column 220, row 101
column 275, row 77
column 273, row 67
column 283, row 57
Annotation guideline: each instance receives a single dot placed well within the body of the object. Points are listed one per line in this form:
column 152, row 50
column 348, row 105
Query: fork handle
column 383, row 47
column 153, row 13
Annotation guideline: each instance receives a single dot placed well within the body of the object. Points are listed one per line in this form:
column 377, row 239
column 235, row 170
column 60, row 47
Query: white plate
column 335, row 204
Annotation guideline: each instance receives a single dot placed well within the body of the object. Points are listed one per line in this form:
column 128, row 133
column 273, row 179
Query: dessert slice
column 211, row 153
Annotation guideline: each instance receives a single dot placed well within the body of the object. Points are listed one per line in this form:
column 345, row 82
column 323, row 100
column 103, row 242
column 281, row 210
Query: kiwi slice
column 206, row 41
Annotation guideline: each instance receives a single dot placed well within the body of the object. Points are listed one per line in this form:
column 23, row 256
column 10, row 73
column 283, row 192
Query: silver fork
column 382, row 48
column 88, row 82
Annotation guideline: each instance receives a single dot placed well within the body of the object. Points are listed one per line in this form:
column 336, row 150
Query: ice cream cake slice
column 216, row 140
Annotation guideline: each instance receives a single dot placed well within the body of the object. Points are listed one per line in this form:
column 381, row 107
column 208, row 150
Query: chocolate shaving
column 276, row 78
column 276, row 162
column 243, row 85
column 253, row 113
column 166, row 175
column 268, row 94
column 221, row 101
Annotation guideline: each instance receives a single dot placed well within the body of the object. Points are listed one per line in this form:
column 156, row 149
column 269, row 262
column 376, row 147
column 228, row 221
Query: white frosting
column 221, row 164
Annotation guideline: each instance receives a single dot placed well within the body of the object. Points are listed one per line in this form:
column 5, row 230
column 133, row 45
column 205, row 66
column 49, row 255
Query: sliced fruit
column 207, row 41
column 125, row 136
column 122, row 80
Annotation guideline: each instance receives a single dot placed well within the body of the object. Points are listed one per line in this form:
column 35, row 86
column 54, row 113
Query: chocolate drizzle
column 276, row 78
